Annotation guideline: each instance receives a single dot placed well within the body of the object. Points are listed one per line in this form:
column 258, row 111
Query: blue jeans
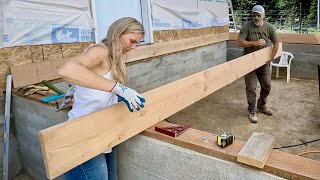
column 101, row 167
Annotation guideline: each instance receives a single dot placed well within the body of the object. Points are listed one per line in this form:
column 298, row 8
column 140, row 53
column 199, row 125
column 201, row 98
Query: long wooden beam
column 289, row 38
column 279, row 163
column 71, row 143
column 33, row 73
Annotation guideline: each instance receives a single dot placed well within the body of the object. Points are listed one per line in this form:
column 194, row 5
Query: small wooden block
column 256, row 150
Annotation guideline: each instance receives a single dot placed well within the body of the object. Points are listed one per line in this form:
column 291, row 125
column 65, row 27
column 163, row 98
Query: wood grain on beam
column 256, row 150
column 289, row 38
column 33, row 73
column 71, row 143
column 279, row 163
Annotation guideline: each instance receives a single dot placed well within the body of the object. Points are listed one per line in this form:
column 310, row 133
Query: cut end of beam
column 256, row 150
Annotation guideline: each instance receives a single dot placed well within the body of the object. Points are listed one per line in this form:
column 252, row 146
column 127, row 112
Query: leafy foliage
column 282, row 12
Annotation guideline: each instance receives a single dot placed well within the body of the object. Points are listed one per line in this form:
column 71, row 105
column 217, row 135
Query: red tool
column 173, row 131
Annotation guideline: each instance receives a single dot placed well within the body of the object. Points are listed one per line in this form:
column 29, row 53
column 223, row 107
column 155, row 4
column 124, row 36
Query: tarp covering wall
column 32, row 22
column 29, row 22
column 1, row 25
column 189, row 14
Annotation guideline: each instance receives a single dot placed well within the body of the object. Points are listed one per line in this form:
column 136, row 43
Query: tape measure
column 224, row 139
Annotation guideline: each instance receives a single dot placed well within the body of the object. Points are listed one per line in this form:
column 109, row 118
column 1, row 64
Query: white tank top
column 88, row 100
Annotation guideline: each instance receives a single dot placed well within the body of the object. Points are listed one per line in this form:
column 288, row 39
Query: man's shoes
column 266, row 111
column 253, row 117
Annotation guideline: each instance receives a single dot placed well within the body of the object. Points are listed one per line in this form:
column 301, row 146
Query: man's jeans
column 101, row 167
column 263, row 75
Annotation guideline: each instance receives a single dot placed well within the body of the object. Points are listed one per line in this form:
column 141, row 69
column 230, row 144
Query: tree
column 312, row 17
column 242, row 10
column 289, row 10
column 283, row 12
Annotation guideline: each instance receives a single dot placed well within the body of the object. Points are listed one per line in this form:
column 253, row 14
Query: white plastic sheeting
column 29, row 22
column 189, row 14
column 1, row 25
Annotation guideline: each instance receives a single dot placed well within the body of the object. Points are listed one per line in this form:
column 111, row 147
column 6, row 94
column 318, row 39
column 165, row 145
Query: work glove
column 129, row 96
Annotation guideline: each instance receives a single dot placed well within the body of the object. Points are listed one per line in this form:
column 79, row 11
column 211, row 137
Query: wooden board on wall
column 42, row 52
column 299, row 38
column 47, row 70
column 158, row 49
column 18, row 58
column 256, row 150
column 25, row 74
column 289, row 38
column 279, row 163
column 71, row 143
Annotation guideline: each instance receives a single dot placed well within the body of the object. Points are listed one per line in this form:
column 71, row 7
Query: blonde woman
column 100, row 78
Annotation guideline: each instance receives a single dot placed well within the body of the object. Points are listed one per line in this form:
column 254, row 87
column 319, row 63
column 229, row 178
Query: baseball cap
column 258, row 9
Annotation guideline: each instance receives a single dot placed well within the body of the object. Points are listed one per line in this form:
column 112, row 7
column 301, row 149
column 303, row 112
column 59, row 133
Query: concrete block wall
column 30, row 117
column 143, row 158
column 304, row 64
column 148, row 75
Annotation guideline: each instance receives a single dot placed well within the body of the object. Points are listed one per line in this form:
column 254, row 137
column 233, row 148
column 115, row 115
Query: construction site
column 190, row 69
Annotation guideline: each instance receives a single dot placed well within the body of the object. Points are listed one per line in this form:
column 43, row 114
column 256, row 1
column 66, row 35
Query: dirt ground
column 296, row 116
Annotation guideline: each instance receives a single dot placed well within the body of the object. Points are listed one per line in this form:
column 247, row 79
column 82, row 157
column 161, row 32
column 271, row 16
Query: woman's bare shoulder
column 97, row 51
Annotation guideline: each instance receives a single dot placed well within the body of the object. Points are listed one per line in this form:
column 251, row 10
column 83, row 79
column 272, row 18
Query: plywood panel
column 18, row 56
column 52, row 52
column 26, row 74
column 4, row 71
column 37, row 53
column 69, row 50
column 71, row 143
column 173, row 35
column 48, row 70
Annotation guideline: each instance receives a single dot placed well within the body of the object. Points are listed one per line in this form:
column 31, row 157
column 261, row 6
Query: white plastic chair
column 285, row 61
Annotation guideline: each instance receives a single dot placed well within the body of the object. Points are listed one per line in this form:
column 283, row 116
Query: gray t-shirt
column 251, row 32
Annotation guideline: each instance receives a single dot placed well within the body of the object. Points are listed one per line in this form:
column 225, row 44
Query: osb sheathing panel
column 13, row 56
column 37, row 53
column 4, row 71
column 52, row 52
column 69, row 50
column 171, row 35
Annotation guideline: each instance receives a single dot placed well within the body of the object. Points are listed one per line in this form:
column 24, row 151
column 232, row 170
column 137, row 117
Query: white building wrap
column 30, row 22
column 1, row 25
column 189, row 14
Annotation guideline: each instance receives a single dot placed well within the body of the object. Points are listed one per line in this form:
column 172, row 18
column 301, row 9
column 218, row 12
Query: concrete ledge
column 279, row 163
column 144, row 158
